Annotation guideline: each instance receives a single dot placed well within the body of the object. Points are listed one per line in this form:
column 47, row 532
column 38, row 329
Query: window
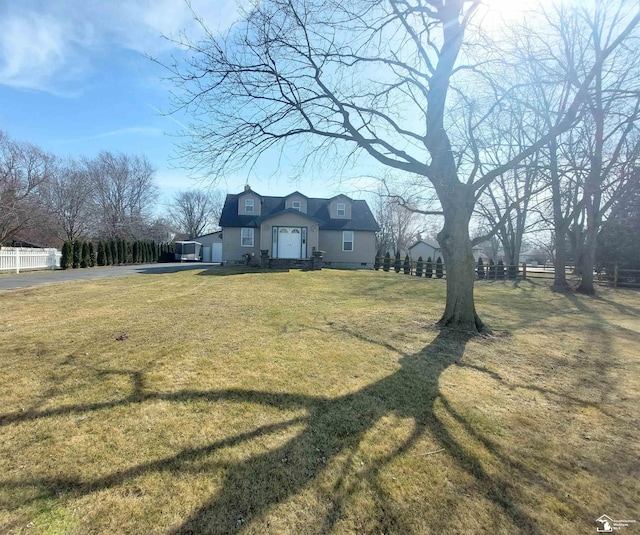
column 296, row 205
column 248, row 205
column 341, row 209
column 246, row 237
column 347, row 240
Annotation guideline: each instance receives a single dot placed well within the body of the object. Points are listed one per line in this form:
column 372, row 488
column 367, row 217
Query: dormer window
column 296, row 205
column 248, row 206
column 341, row 209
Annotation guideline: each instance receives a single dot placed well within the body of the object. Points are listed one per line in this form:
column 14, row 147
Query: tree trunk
column 560, row 265
column 460, row 312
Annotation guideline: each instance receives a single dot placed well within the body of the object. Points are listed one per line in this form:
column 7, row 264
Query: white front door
column 289, row 242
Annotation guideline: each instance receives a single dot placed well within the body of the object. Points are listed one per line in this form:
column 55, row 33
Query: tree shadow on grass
column 333, row 429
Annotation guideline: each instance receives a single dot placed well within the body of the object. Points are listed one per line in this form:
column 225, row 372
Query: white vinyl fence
column 18, row 259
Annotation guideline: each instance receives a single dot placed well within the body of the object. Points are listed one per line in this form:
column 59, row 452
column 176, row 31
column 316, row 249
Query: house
column 294, row 226
column 426, row 248
column 211, row 246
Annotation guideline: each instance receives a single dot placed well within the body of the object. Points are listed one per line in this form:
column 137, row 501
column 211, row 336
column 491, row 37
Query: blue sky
column 74, row 80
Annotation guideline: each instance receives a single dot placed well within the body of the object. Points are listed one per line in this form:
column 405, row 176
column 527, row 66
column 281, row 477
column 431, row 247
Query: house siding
column 232, row 250
column 333, row 207
column 364, row 249
column 256, row 203
column 425, row 251
column 303, row 202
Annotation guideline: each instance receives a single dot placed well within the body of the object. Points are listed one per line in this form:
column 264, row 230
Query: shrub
column 406, row 266
column 500, row 270
column 480, row 269
column 397, row 263
column 84, row 255
column 77, row 253
column 67, row 252
column 419, row 267
column 428, row 268
column 386, row 265
column 439, row 270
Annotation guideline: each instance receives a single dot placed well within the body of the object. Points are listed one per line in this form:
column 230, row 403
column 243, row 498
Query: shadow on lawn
column 333, row 427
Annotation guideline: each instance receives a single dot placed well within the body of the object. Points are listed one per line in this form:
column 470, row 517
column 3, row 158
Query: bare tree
column 23, row 169
column 68, row 196
column 196, row 211
column 371, row 79
column 124, row 192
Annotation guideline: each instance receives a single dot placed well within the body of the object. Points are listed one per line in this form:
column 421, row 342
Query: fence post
column 17, row 260
column 524, row 271
column 615, row 276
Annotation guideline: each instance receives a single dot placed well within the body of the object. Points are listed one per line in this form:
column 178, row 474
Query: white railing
column 18, row 259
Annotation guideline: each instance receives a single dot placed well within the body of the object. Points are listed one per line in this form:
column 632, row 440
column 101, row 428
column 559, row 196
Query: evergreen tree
column 136, row 252
column 67, row 253
column 115, row 253
column 500, row 270
column 492, row 270
column 428, row 268
column 407, row 265
column 386, row 265
column 77, row 253
column 439, row 270
column 376, row 262
column 84, row 255
column 122, row 251
column 92, row 255
column 419, row 267
column 154, row 252
column 108, row 255
column 480, row 269
column 102, row 260
column 397, row 263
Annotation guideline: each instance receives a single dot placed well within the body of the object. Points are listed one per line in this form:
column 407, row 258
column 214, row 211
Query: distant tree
column 397, row 263
column 480, row 269
column 439, row 270
column 406, row 266
column 67, row 254
column 84, row 255
column 77, row 254
column 386, row 265
column 419, row 267
column 101, row 258
column 195, row 212
column 428, row 268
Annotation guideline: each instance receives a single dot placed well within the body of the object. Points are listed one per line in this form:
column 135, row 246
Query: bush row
column 118, row 251
column 490, row 271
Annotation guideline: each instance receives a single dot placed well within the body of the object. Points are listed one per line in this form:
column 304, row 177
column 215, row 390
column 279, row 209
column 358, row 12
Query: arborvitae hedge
column 77, row 253
column 419, row 267
column 101, row 258
column 500, row 270
column 93, row 260
column 439, row 271
column 84, row 255
column 397, row 263
column 136, row 252
column 386, row 265
column 406, row 266
column 480, row 269
column 376, row 262
column 428, row 268
column 67, row 253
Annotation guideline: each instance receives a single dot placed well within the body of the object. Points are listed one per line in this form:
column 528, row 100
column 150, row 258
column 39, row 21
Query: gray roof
column 317, row 210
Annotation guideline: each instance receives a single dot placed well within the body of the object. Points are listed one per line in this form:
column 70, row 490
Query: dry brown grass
column 320, row 402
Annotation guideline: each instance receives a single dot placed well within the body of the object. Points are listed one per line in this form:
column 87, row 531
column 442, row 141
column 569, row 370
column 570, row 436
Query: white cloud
column 53, row 46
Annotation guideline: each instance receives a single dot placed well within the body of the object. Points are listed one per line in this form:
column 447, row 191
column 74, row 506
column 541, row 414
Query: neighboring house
column 426, row 248
column 294, row 226
column 211, row 246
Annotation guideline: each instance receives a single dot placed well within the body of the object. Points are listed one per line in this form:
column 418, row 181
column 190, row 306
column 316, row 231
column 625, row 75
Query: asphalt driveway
column 12, row 281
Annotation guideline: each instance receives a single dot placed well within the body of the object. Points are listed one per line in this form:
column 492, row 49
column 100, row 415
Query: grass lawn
column 319, row 402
